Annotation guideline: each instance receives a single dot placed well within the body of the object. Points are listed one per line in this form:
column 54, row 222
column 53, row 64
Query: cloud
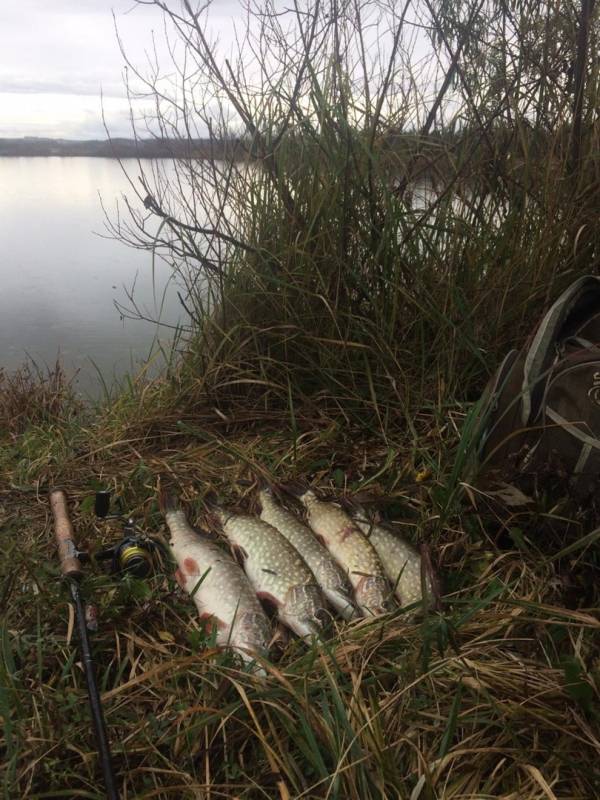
column 62, row 116
column 58, row 56
column 62, row 84
column 67, row 52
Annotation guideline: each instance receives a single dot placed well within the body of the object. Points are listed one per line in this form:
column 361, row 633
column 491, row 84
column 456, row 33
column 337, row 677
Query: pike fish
column 220, row 589
column 352, row 550
column 402, row 563
column 330, row 576
column 277, row 571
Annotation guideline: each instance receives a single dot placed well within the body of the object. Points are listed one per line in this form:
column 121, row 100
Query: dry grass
column 494, row 697
column 32, row 395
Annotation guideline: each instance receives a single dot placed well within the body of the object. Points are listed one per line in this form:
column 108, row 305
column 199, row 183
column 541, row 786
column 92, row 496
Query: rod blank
column 71, row 569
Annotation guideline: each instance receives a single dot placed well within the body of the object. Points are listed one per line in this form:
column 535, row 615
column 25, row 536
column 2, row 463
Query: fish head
column 304, row 610
column 252, row 633
column 373, row 595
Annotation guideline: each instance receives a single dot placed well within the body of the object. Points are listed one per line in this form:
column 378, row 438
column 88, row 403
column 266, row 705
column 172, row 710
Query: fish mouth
column 304, row 627
column 375, row 611
column 250, row 659
column 341, row 603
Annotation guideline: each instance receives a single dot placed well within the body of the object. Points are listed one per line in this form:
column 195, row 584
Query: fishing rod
column 70, row 565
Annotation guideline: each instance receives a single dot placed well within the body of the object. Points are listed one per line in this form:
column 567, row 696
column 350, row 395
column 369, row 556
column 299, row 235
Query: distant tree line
column 122, row 148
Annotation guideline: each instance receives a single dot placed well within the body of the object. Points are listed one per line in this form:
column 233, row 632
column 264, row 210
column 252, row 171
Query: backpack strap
column 588, row 443
column 580, row 342
column 542, row 352
column 489, row 419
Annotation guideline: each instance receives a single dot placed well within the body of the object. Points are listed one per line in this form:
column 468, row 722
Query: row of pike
column 340, row 562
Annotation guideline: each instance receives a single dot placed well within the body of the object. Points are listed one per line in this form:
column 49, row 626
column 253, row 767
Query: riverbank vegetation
column 347, row 307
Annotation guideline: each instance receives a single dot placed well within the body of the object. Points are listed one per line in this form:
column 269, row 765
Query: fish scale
column 221, row 591
column 400, row 560
column 278, row 572
column 329, row 575
column 352, row 550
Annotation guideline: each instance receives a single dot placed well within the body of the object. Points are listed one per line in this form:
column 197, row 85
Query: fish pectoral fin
column 180, row 578
column 208, row 620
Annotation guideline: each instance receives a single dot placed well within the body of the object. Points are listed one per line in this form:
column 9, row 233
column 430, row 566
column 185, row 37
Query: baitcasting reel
column 136, row 554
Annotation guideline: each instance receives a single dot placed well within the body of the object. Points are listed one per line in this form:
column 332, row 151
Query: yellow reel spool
column 135, row 559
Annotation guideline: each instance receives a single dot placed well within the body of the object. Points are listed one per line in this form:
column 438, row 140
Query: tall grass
column 32, row 395
column 321, row 269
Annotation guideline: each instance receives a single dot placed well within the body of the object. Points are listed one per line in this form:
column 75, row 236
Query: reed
column 400, row 217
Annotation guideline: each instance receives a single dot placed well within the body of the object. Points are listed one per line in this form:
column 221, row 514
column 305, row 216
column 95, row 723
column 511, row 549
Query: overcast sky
column 56, row 56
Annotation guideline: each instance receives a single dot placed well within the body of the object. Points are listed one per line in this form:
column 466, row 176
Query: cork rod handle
column 65, row 537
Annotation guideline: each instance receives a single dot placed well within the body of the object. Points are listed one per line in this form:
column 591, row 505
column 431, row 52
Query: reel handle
column 70, row 564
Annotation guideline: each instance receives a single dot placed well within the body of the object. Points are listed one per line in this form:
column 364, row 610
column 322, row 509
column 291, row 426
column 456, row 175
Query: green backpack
column 540, row 412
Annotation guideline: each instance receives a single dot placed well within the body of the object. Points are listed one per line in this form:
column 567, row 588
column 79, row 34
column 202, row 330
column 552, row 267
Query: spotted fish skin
column 352, row 550
column 329, row 575
column 402, row 563
column 277, row 572
column 220, row 589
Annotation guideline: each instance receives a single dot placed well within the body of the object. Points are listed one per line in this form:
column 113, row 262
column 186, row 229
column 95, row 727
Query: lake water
column 59, row 279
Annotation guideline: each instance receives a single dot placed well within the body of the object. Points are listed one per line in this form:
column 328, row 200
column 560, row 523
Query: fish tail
column 352, row 506
column 211, row 501
column 308, row 497
column 263, row 483
column 297, row 488
column 215, row 510
column 357, row 511
column 266, row 493
column 168, row 501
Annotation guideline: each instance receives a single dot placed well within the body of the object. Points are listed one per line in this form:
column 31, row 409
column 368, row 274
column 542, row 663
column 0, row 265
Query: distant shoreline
column 31, row 146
